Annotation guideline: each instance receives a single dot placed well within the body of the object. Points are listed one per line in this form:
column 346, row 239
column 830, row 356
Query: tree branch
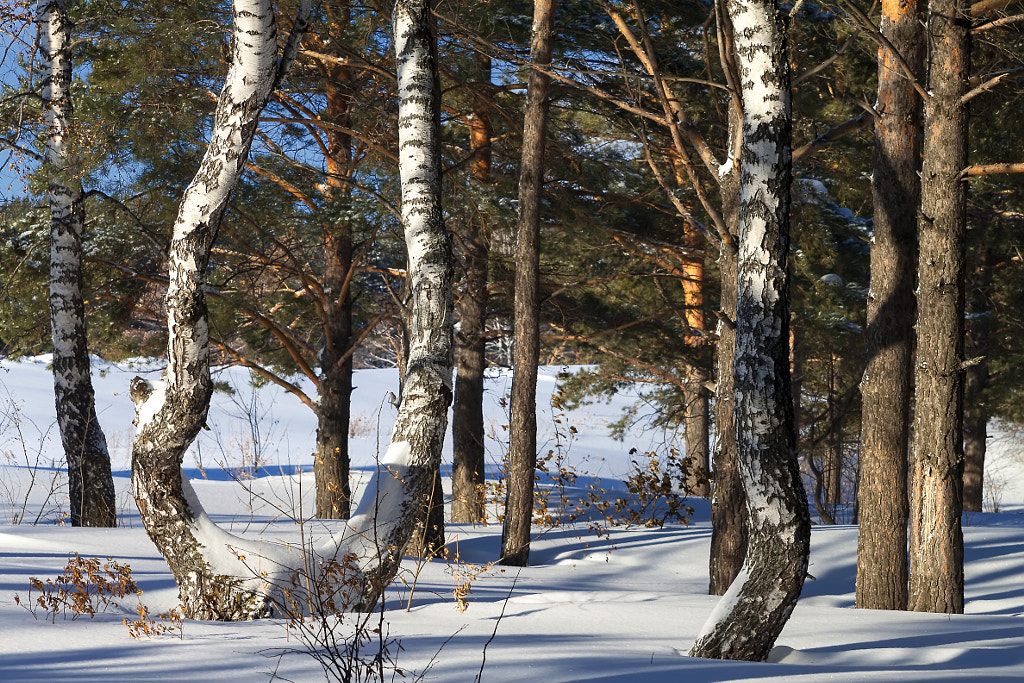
column 992, row 169
column 831, row 135
column 876, row 35
column 991, row 83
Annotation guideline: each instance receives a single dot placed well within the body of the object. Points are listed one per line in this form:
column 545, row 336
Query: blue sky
column 10, row 184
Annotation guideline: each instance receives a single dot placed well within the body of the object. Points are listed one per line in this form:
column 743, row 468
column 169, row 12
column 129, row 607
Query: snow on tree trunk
column 91, row 486
column 522, row 451
column 745, row 624
column 885, row 385
column 936, row 537
column 213, row 583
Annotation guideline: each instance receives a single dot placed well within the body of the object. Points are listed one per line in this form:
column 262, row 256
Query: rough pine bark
column 90, row 484
column 213, row 583
column 467, row 412
column 753, row 612
column 976, row 414
column 936, row 536
column 885, row 386
column 833, row 474
column 522, row 454
column 331, row 460
column 696, row 397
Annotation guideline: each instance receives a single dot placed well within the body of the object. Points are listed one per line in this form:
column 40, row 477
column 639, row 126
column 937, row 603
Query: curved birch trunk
column 400, row 491
column 751, row 615
column 214, row 581
column 224, row 577
column 91, row 486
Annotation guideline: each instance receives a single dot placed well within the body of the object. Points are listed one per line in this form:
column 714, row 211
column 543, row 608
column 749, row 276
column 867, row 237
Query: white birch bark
column 399, row 493
column 749, row 618
column 213, row 583
column 221, row 576
column 91, row 487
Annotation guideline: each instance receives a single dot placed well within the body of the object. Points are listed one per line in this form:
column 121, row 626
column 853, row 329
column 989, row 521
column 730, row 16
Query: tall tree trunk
column 171, row 413
column 697, row 421
column 331, row 460
column 90, row 484
column 979, row 339
column 728, row 502
column 408, row 477
column 753, row 612
column 885, row 386
column 834, row 440
column 936, row 537
column 796, row 387
column 522, row 454
column 467, row 413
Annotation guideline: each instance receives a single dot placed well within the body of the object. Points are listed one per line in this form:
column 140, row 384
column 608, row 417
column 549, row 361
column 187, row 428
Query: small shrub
column 88, row 587
column 85, row 587
column 317, row 607
column 165, row 624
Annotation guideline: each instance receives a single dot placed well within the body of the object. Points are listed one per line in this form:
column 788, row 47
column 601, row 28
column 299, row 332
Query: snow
column 622, row 607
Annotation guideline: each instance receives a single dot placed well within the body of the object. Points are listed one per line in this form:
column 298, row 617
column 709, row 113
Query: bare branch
column 989, row 6
column 872, row 32
column 992, row 169
column 1009, row 74
column 997, row 23
column 831, row 135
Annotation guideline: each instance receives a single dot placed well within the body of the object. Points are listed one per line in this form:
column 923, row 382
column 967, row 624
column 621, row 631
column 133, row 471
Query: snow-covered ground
column 618, row 607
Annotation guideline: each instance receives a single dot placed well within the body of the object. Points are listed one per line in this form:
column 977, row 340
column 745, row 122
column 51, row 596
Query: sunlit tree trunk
column 522, row 455
column 212, row 583
column 753, row 612
column 333, row 410
column 90, row 484
column 696, row 397
column 936, row 503
column 885, row 385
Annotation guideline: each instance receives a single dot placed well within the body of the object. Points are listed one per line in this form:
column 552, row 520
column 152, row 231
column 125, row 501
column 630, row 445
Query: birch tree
column 522, row 453
column 169, row 414
column 91, row 486
column 220, row 576
column 747, row 621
